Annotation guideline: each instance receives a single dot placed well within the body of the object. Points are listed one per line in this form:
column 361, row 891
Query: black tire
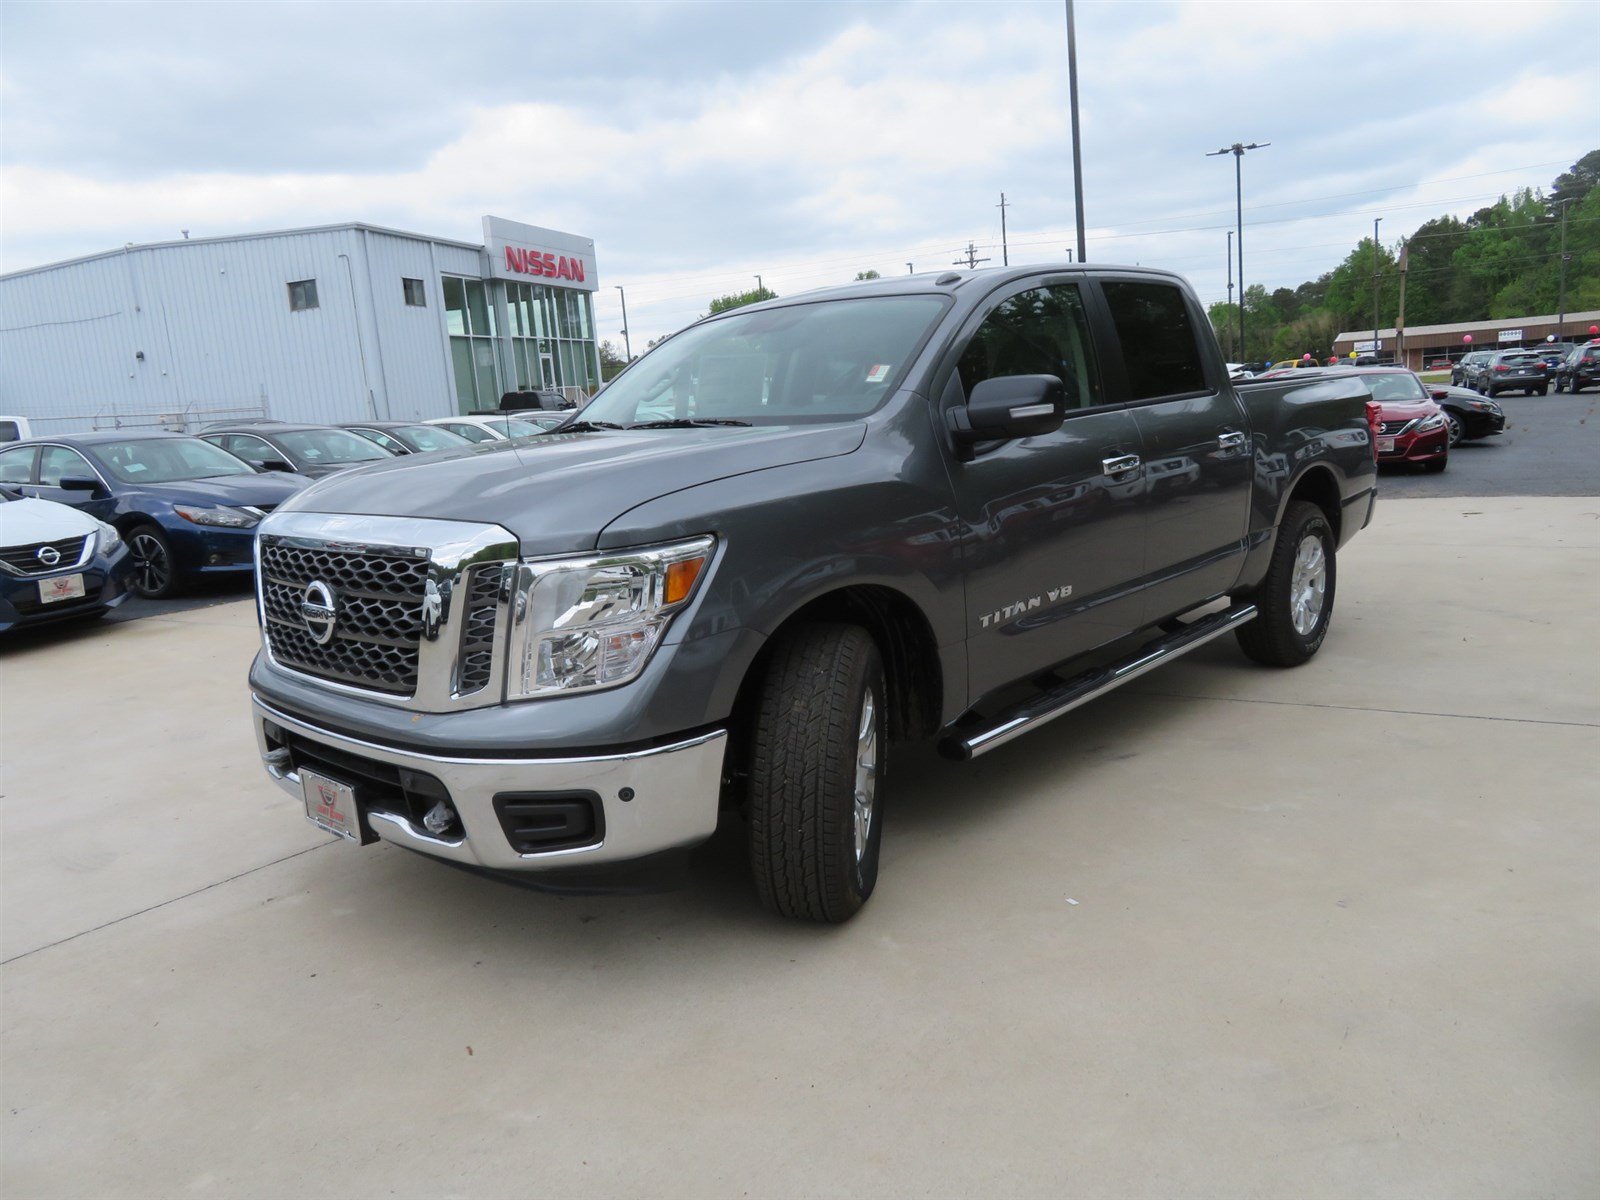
column 155, row 571
column 1457, row 430
column 1273, row 638
column 1488, row 390
column 1435, row 465
column 1561, row 386
column 810, row 731
column 1545, row 390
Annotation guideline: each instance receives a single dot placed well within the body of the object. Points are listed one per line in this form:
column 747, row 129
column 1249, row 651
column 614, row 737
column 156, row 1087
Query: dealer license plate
column 331, row 805
column 1385, row 445
column 62, row 587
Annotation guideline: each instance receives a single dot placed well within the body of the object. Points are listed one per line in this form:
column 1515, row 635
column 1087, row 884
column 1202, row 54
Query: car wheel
column 1545, row 390
column 154, row 574
column 1296, row 597
column 1456, row 431
column 814, row 802
column 1435, row 465
column 1488, row 391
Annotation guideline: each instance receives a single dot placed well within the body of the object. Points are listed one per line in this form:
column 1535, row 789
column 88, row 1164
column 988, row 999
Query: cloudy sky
column 701, row 144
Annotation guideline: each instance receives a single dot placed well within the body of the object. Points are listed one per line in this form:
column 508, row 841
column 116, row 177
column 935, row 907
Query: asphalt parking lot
column 1323, row 932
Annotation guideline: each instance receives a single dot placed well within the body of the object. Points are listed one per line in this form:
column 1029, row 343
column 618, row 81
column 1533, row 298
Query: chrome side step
column 1031, row 714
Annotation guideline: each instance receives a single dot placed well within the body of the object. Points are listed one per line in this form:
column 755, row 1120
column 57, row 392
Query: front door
column 1054, row 534
column 1197, row 451
column 62, row 462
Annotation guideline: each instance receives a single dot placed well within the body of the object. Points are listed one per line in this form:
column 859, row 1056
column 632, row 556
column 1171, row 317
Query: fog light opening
column 440, row 819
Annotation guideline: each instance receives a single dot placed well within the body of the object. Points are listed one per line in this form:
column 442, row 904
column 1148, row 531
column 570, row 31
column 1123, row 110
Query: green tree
column 740, row 299
column 860, row 275
column 611, row 361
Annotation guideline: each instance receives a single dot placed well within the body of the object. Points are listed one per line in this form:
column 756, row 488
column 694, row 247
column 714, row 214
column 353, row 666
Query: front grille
column 378, row 598
column 477, row 632
column 25, row 560
column 1393, row 426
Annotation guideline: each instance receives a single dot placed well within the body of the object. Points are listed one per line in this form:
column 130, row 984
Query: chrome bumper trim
column 675, row 791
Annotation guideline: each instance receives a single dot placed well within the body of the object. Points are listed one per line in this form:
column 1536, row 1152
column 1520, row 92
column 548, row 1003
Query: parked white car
column 490, row 427
column 15, row 429
column 56, row 562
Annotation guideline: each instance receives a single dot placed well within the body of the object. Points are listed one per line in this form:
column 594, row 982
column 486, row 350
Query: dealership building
column 1422, row 345
column 325, row 324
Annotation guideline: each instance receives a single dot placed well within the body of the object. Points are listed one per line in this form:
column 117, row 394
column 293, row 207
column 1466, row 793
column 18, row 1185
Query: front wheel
column 1457, row 432
column 155, row 574
column 814, row 801
column 1296, row 598
column 1435, row 465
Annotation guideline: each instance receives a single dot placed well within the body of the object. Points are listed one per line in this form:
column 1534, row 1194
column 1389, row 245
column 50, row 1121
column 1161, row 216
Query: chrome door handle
column 1230, row 440
column 1120, row 466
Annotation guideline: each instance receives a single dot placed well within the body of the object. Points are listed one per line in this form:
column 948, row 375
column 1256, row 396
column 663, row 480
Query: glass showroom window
column 470, row 318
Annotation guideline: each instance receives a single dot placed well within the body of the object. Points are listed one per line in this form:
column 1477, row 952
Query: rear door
column 1054, row 533
column 1197, row 445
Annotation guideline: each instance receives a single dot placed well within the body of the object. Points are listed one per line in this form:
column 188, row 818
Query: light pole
column 910, row 270
column 1561, row 300
column 760, row 287
column 1237, row 150
column 1375, row 279
column 627, row 344
column 1077, row 145
column 1237, row 357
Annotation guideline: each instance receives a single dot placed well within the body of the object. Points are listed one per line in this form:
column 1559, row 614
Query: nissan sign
column 530, row 254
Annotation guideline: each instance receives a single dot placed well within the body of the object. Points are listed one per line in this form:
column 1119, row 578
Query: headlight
column 1434, row 422
column 110, row 539
column 593, row 622
column 228, row 518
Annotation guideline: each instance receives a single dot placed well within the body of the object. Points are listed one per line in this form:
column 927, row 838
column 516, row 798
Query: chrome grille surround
column 421, row 613
column 72, row 552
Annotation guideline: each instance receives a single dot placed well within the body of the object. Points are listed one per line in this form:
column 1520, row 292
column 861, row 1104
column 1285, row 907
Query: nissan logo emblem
column 48, row 555
column 318, row 611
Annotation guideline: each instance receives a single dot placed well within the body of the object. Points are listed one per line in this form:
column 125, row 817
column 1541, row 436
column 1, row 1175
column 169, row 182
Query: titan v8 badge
column 1002, row 615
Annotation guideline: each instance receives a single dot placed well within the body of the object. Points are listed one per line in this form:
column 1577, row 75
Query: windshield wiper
column 583, row 427
column 687, row 423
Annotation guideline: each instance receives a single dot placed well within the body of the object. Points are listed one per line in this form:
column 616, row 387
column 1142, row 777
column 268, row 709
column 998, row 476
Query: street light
column 1375, row 277
column 910, row 270
column 626, row 343
column 760, row 287
column 1237, row 150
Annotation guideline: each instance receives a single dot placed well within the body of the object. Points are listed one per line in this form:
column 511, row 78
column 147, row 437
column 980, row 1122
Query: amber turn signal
column 681, row 577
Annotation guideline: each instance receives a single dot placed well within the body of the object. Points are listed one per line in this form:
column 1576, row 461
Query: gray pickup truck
column 782, row 543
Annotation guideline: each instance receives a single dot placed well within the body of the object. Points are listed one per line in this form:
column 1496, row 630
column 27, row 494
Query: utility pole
column 1077, row 143
column 971, row 260
column 1400, row 315
column 760, row 287
column 910, row 270
column 1237, row 357
column 627, row 342
column 1238, row 150
column 1561, row 300
column 1375, row 278
column 1005, row 253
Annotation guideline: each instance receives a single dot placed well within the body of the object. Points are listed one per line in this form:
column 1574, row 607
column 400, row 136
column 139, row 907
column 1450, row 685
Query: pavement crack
column 1399, row 712
column 152, row 908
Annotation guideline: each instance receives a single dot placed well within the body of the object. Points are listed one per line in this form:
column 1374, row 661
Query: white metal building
column 325, row 324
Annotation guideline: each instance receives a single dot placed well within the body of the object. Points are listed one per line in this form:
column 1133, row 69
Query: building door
column 547, row 369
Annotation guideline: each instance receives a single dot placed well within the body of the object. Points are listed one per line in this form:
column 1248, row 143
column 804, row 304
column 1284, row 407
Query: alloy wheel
column 151, row 567
column 1308, row 585
column 866, row 782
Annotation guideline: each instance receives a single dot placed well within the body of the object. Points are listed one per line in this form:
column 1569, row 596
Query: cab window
column 1043, row 331
column 1159, row 350
column 57, row 463
column 16, row 466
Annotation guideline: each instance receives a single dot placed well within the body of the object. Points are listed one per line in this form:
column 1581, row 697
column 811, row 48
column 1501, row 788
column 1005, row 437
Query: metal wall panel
column 413, row 342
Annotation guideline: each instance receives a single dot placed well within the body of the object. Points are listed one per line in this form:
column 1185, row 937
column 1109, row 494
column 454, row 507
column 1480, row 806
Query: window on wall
column 416, row 297
column 302, row 295
column 551, row 336
column 469, row 315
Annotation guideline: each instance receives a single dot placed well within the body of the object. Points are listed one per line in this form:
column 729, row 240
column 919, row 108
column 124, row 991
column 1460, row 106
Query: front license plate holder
column 62, row 587
column 333, row 805
column 1385, row 445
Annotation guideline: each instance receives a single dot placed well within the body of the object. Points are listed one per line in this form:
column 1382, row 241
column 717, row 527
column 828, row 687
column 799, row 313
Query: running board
column 1081, row 689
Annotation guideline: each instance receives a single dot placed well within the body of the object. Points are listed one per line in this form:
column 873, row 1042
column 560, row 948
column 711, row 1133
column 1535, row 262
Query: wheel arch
column 1316, row 485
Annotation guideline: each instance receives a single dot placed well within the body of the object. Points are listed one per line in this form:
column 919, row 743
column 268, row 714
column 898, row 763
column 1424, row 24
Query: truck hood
column 557, row 492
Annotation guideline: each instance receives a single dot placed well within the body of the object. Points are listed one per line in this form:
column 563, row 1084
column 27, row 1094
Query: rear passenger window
column 16, row 466
column 1042, row 331
column 1159, row 350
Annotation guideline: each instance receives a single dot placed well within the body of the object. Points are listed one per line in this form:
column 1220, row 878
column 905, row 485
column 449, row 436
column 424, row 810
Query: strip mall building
column 1423, row 345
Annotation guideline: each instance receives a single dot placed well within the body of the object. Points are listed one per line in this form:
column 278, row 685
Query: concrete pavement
column 1335, row 934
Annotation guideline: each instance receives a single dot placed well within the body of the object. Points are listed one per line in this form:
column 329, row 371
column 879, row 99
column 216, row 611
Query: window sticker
column 877, row 373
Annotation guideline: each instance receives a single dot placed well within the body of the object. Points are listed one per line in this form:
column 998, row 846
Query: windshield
column 428, row 437
column 317, row 446
column 168, row 460
column 828, row 361
column 1396, row 387
column 512, row 427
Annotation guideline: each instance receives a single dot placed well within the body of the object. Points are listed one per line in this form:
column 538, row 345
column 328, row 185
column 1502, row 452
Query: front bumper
column 105, row 585
column 1418, row 447
column 650, row 800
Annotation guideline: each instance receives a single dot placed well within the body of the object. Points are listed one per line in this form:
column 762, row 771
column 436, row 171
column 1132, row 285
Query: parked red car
column 1413, row 428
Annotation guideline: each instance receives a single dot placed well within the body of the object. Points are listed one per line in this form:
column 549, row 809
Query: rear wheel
column 814, row 802
column 1545, row 390
column 1456, row 430
column 1435, row 465
column 155, row 574
column 1296, row 598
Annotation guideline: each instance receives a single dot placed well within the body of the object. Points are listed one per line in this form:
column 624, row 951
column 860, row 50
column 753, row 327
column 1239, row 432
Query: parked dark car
column 309, row 450
column 1513, row 371
column 407, row 437
column 535, row 400
column 1469, row 415
column 185, row 507
column 1580, row 369
column 1554, row 354
column 57, row 563
column 1465, row 370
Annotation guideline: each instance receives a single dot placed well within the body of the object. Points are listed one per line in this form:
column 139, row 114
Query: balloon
column 1467, row 338
column 1353, row 354
column 1305, row 358
column 1551, row 338
column 1594, row 329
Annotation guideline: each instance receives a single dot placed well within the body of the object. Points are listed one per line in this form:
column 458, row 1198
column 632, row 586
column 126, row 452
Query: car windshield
column 428, row 437
column 168, row 460
column 1396, row 387
column 318, row 446
column 512, row 427
column 827, row 361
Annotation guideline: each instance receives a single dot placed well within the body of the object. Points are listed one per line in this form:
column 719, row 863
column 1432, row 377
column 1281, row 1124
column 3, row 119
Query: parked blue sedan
column 185, row 507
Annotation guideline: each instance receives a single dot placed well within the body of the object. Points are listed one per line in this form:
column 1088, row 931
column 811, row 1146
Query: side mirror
column 1440, row 394
column 1012, row 406
column 272, row 464
column 78, row 483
